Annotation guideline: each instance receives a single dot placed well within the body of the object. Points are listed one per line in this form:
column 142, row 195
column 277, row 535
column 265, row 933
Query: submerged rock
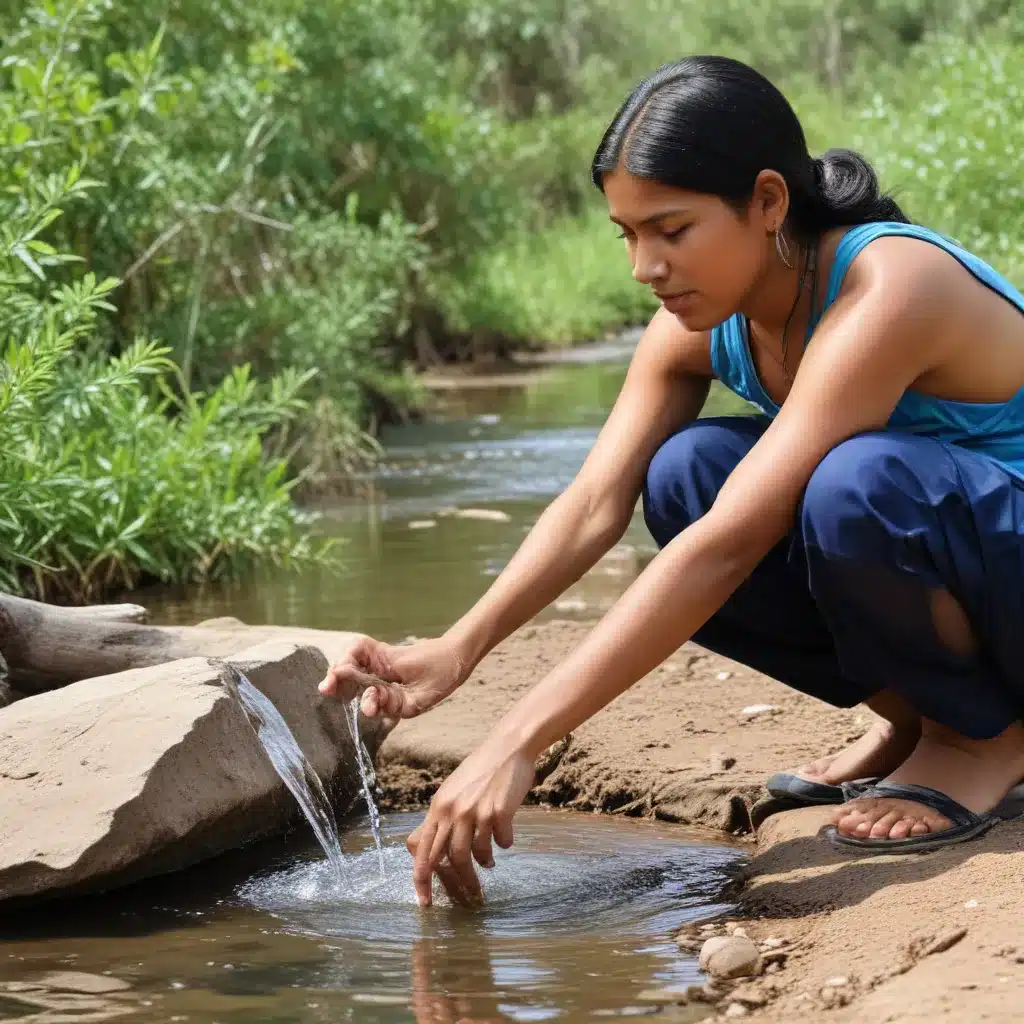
column 125, row 776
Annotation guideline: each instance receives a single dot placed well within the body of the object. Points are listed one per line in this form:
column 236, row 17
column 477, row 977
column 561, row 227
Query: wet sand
column 895, row 939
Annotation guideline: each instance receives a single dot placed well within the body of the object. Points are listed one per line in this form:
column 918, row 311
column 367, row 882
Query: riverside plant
column 110, row 472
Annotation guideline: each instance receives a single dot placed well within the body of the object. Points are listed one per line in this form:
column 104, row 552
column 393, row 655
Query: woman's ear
column 771, row 199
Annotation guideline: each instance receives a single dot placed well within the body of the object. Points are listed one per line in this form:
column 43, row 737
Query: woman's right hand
column 396, row 681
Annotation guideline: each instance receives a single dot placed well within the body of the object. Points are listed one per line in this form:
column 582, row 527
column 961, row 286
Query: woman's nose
column 647, row 266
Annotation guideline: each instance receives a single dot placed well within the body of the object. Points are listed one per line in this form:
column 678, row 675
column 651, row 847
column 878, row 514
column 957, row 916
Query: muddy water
column 576, row 926
column 509, row 449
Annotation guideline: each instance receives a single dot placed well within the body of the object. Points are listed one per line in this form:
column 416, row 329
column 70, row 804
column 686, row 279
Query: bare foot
column 975, row 773
column 881, row 750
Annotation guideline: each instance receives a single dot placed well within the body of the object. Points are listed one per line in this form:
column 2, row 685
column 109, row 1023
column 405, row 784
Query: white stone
column 729, row 956
column 492, row 515
column 759, row 709
column 838, row 981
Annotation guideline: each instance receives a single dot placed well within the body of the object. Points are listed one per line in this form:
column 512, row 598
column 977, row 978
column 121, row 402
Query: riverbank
column 895, row 939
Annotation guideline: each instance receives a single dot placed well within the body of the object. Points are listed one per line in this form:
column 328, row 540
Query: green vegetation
column 233, row 228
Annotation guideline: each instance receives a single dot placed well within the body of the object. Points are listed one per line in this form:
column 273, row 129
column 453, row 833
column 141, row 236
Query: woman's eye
column 677, row 233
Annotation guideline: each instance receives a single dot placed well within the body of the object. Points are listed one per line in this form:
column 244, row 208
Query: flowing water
column 293, row 767
column 576, row 926
column 578, row 913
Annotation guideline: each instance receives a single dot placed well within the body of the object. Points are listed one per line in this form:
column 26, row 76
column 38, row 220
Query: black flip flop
column 790, row 786
column 966, row 824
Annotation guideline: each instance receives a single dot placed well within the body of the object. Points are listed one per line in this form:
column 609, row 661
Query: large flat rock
column 121, row 777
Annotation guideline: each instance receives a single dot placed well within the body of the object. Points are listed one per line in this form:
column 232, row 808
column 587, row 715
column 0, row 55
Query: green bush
column 570, row 282
column 947, row 136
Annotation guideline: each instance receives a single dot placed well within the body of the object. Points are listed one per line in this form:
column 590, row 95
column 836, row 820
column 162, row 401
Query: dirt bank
column 893, row 939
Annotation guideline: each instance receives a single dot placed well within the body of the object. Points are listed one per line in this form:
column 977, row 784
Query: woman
column 860, row 541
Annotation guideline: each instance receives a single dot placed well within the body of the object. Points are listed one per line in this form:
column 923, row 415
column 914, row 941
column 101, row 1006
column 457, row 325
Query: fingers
column 423, row 866
column 364, row 665
column 459, row 854
column 503, row 831
column 445, row 849
column 482, row 844
column 384, row 699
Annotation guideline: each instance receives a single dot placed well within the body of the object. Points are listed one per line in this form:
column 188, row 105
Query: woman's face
column 699, row 255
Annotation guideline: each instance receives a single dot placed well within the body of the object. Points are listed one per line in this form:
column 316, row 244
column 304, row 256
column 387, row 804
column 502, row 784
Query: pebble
column 719, row 762
column 838, row 981
column 971, row 904
column 759, row 709
column 492, row 515
column 664, row 996
column 422, row 524
column 81, row 983
column 732, row 956
column 722, row 676
column 736, row 1010
column 773, row 943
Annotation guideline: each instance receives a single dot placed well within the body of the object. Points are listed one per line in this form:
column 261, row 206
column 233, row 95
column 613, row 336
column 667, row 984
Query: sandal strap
column 933, row 798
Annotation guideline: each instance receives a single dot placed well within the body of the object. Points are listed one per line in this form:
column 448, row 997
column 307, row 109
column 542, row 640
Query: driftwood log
column 46, row 647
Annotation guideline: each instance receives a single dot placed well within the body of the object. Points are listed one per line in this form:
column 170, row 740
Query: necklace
column 810, row 270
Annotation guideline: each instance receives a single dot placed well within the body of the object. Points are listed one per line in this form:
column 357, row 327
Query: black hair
column 712, row 124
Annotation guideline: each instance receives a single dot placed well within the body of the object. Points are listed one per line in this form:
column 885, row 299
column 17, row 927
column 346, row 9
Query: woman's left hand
column 475, row 804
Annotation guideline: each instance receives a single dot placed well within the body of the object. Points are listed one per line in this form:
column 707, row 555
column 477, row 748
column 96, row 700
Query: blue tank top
column 993, row 429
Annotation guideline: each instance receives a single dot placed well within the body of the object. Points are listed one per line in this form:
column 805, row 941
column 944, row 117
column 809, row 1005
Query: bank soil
column 896, row 939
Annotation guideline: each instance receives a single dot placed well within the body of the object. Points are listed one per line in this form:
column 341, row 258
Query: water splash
column 293, row 766
column 368, row 778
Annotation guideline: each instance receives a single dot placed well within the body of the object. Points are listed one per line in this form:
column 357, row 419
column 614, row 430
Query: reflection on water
column 576, row 924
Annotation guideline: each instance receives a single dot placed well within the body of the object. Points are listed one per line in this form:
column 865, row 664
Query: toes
column 919, row 828
column 903, row 827
column 880, row 829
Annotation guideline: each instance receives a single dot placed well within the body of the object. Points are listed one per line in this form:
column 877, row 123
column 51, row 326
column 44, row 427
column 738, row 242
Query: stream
column 579, row 913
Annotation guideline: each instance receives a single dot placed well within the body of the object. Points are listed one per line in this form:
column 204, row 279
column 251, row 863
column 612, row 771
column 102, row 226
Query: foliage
column 947, row 135
column 106, row 476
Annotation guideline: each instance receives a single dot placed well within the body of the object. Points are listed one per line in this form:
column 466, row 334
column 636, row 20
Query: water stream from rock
column 292, row 766
column 368, row 779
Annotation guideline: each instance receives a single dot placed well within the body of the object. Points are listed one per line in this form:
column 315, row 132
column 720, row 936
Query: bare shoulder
column 667, row 347
column 912, row 271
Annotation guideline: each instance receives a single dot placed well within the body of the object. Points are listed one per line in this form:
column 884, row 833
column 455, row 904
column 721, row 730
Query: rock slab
column 125, row 776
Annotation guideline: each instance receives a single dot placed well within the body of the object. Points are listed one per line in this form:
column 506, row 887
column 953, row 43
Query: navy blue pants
column 841, row 608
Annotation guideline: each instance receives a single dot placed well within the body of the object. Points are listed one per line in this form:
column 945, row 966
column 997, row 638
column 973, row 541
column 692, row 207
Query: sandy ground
column 893, row 939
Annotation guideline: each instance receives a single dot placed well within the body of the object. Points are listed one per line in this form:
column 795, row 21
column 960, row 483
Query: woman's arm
column 665, row 388
column 875, row 341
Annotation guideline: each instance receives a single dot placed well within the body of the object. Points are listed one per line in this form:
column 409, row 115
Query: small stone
column 722, row 676
column 759, row 709
column 664, row 996
column 491, row 515
column 731, row 956
column 422, row 524
column 773, row 943
column 736, row 1010
column 719, row 762
column 773, row 968
column 81, row 983
column 837, row 982
column 971, row 904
